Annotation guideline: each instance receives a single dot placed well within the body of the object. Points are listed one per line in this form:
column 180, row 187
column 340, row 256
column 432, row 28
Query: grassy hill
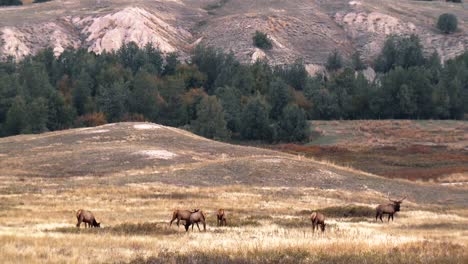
column 132, row 175
column 430, row 150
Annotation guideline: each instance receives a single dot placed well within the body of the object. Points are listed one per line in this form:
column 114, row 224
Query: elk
column 317, row 220
column 221, row 217
column 195, row 218
column 87, row 217
column 181, row 215
column 389, row 209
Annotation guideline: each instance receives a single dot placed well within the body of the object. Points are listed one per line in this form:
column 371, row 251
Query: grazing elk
column 86, row 217
column 181, row 215
column 317, row 219
column 196, row 218
column 221, row 217
column 389, row 209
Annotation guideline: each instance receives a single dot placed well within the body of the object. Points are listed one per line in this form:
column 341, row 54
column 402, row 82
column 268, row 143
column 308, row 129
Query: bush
column 262, row 41
column 41, row 1
column 447, row 23
column 334, row 61
column 10, row 2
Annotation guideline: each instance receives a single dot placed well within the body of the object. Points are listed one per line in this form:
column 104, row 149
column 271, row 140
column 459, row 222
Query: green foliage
column 248, row 101
column 41, row 1
column 10, row 2
column 210, row 120
column 261, row 40
column 294, row 74
column 292, row 125
column 255, row 124
column 447, row 23
column 400, row 51
column 357, row 63
column 231, row 102
column 334, row 61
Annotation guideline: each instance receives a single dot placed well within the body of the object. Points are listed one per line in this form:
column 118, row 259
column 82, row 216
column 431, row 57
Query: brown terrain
column 133, row 175
column 415, row 150
column 298, row 28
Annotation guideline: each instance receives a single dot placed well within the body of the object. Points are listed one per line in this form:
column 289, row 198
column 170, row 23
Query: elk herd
column 196, row 216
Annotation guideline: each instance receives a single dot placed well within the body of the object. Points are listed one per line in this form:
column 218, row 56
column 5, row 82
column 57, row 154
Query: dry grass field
column 415, row 150
column 132, row 175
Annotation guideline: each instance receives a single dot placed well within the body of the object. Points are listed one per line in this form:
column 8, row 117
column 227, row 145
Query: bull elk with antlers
column 389, row 209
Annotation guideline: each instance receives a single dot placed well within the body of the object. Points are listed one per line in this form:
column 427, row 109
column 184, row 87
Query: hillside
column 298, row 28
column 132, row 175
column 127, row 153
column 428, row 150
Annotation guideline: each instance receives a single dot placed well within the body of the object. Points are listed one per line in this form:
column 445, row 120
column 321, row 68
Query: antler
column 388, row 196
column 403, row 198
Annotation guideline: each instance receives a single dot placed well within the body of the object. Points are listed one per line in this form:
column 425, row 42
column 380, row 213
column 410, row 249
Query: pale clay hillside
column 298, row 28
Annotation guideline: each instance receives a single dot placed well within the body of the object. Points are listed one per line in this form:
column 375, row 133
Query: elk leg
column 322, row 227
column 78, row 224
column 198, row 227
column 381, row 218
column 204, row 226
column 392, row 217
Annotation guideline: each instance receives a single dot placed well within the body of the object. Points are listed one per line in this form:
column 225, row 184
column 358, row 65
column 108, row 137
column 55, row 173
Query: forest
column 216, row 96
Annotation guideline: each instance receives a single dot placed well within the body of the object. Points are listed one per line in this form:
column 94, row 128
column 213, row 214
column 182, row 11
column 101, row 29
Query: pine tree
column 17, row 118
column 230, row 100
column 278, row 97
column 292, row 125
column 38, row 112
column 112, row 100
column 82, row 93
column 334, row 61
column 357, row 63
column 255, row 124
column 210, row 120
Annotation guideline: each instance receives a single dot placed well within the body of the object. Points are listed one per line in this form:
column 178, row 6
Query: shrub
column 90, row 120
column 447, row 23
column 262, row 41
column 10, row 2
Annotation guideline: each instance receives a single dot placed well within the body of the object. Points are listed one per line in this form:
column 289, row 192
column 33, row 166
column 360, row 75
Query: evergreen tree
column 254, row 121
column 334, row 61
column 172, row 60
column 82, row 93
column 17, row 118
column 10, row 2
column 210, row 121
column 292, row 125
column 357, row 63
column 400, row 51
column 447, row 23
column 144, row 95
column 112, row 100
column 231, row 101
column 278, row 97
column 38, row 112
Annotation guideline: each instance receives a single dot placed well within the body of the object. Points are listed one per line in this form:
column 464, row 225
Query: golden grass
column 264, row 225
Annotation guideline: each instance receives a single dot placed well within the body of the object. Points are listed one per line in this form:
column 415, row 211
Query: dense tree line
column 216, row 96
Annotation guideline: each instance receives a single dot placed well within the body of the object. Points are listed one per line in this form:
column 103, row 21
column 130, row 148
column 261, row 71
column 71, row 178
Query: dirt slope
column 308, row 29
column 127, row 153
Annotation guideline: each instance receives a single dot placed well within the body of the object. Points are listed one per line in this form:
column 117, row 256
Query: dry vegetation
column 414, row 150
column 268, row 197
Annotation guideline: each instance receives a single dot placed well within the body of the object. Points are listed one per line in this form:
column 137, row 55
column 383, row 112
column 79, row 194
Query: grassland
column 415, row 150
column 132, row 175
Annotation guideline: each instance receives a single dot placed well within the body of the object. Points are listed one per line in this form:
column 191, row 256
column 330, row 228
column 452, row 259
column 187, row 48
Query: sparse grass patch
column 122, row 229
column 421, row 252
column 174, row 195
column 348, row 211
column 216, row 5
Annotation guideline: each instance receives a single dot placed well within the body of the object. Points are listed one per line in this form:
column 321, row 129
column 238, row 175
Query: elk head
column 396, row 203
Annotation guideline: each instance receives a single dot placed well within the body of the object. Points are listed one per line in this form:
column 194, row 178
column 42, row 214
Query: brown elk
column 86, row 217
column 317, row 219
column 195, row 218
column 221, row 217
column 389, row 209
column 181, row 215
